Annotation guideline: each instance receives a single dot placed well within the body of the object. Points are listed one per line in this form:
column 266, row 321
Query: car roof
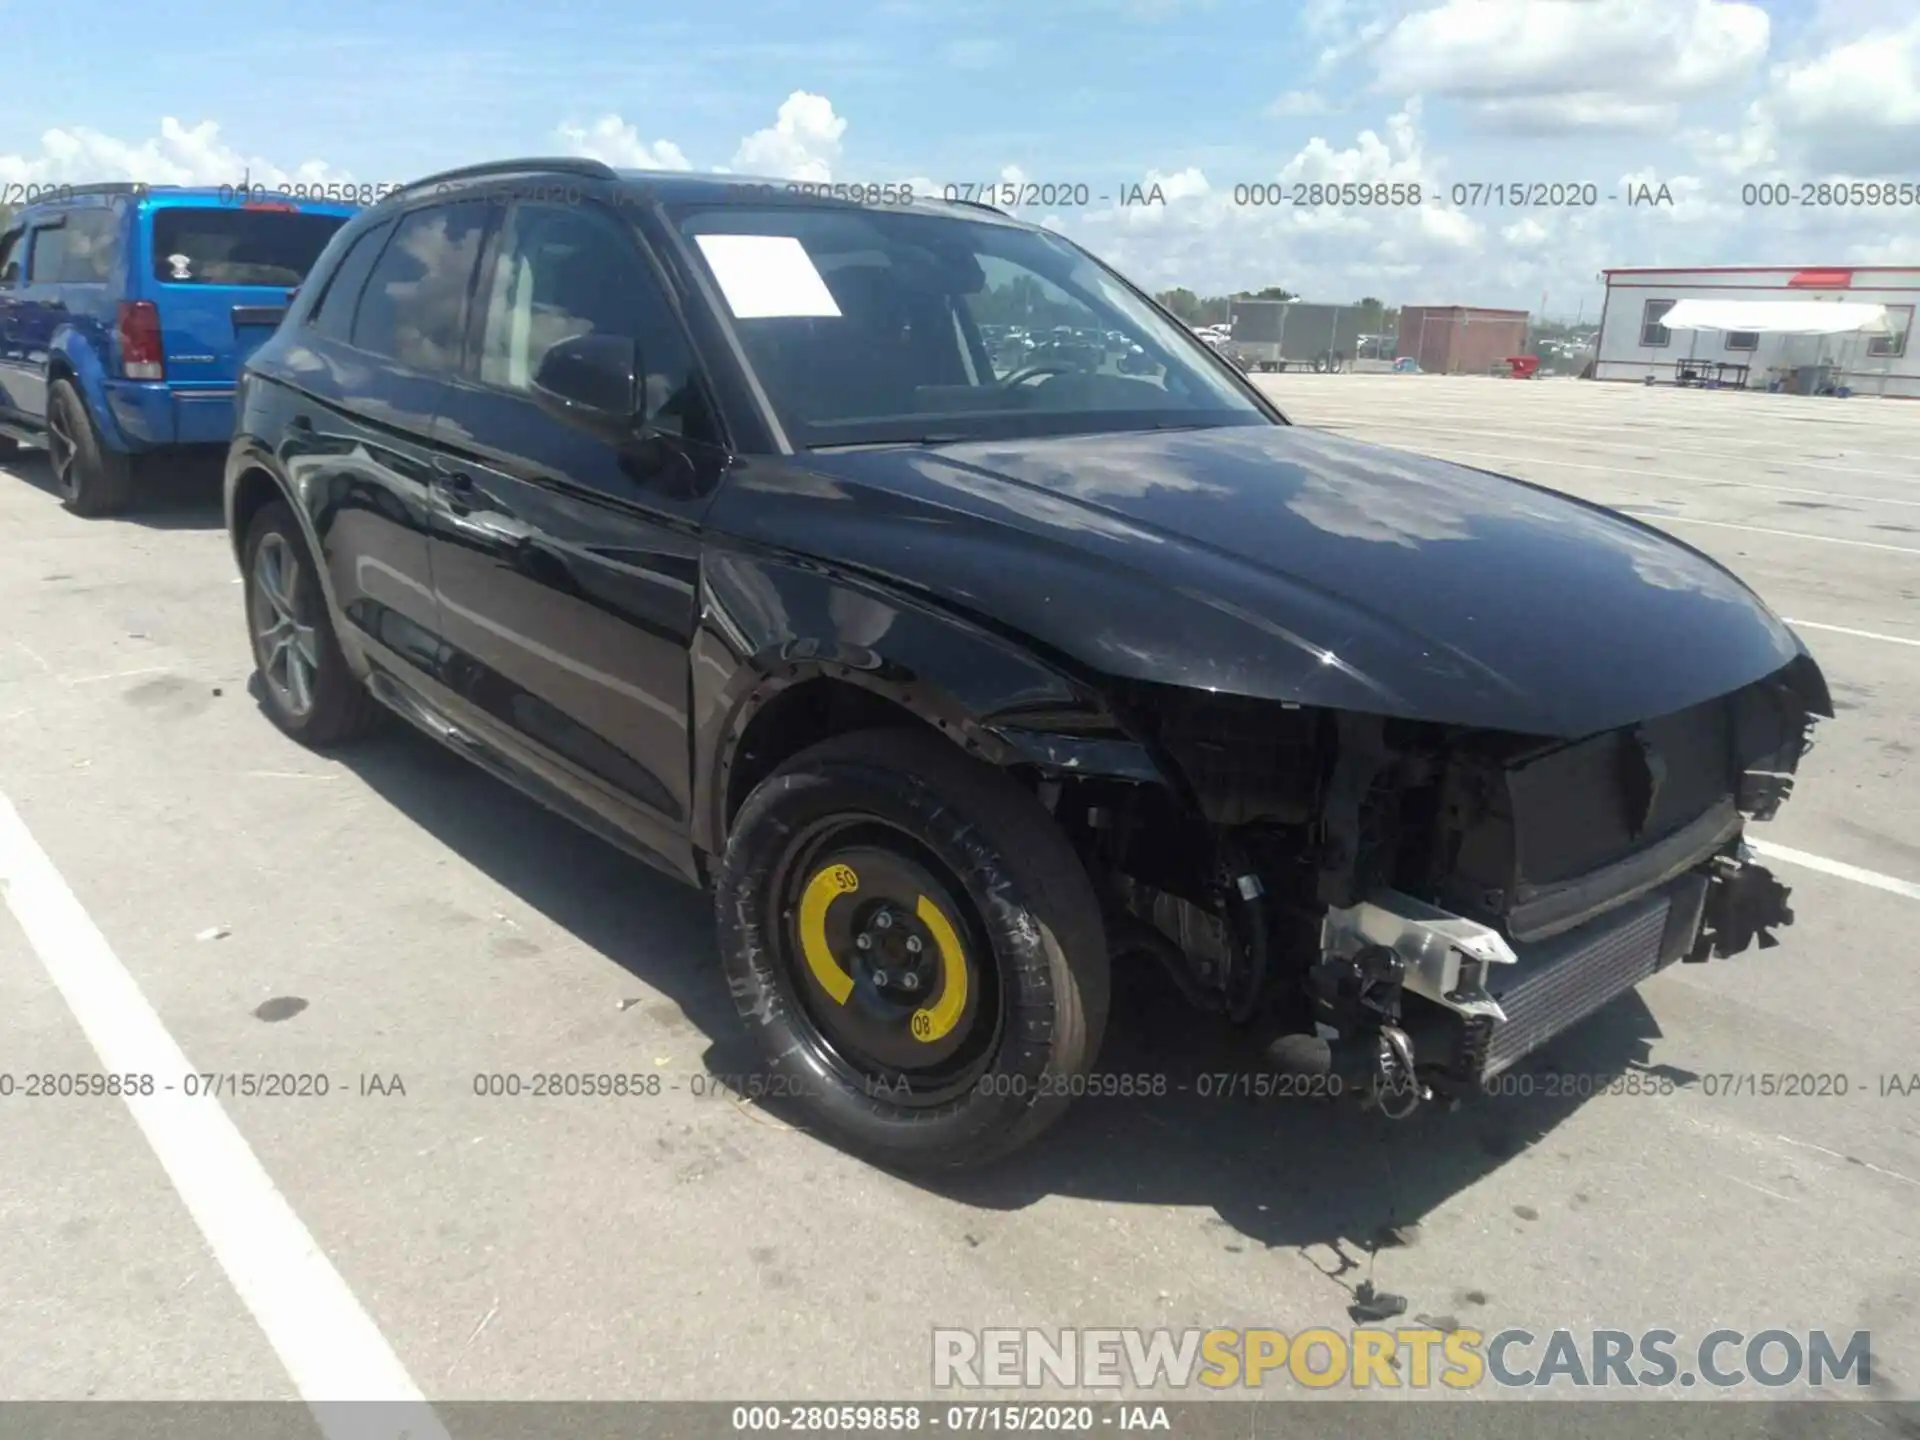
column 692, row 187
column 156, row 197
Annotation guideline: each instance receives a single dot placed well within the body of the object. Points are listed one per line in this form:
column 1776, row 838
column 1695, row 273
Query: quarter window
column 333, row 313
column 414, row 306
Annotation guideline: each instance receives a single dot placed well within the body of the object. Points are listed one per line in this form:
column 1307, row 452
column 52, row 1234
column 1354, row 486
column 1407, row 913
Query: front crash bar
column 1446, row 955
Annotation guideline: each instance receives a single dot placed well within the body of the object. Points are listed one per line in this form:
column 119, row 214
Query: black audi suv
column 707, row 511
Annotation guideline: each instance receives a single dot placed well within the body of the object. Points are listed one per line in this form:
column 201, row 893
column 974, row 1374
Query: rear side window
column 414, row 306
column 333, row 315
column 46, row 256
column 93, row 238
column 230, row 245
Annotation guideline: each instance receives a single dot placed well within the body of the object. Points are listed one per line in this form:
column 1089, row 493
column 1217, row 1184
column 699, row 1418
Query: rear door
column 38, row 310
column 13, row 257
column 364, row 380
column 221, row 276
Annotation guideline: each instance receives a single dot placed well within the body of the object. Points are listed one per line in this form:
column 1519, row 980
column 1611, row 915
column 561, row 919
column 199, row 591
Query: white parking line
column 1837, row 867
column 1634, row 510
column 1863, row 634
column 331, row 1348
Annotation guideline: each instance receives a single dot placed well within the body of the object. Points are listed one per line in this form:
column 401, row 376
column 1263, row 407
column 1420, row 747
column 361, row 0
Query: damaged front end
column 1416, row 907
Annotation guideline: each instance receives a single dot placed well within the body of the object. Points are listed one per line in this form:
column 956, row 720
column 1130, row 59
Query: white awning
column 1779, row 317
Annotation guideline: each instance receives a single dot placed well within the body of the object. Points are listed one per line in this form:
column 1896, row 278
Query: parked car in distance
column 713, row 523
column 125, row 314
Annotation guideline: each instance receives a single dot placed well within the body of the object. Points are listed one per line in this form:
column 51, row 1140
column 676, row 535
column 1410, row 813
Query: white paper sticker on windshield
column 764, row 276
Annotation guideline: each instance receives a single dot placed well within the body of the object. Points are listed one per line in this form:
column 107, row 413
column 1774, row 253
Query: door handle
column 456, row 489
column 302, row 423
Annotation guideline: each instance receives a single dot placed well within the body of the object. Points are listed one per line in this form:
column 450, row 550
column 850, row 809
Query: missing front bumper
column 1474, row 1003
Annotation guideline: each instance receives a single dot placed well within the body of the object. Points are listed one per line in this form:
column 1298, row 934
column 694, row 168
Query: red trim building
column 1633, row 344
column 1460, row 339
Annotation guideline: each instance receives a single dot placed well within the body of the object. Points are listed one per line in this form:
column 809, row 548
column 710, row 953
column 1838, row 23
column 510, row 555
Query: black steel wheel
column 916, row 947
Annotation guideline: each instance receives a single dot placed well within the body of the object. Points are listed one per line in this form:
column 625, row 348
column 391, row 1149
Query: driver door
column 566, row 563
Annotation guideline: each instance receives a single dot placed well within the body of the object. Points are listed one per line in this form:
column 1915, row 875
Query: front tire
column 307, row 687
column 952, row 1031
column 92, row 480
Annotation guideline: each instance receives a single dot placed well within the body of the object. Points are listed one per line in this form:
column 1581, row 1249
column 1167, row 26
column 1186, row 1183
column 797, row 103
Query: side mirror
column 591, row 378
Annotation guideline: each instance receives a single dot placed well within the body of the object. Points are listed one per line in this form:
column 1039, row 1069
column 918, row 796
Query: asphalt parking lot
column 394, row 914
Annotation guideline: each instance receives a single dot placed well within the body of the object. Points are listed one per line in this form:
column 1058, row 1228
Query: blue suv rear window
column 228, row 245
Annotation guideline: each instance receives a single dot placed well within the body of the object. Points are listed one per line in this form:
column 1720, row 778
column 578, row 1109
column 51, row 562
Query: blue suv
column 126, row 312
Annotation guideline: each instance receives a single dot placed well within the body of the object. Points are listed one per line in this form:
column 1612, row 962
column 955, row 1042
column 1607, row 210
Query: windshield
column 884, row 326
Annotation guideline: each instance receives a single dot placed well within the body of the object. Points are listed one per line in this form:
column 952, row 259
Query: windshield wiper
column 893, row 444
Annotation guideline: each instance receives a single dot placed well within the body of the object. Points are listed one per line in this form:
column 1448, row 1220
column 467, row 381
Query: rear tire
column 1001, row 1065
column 307, row 687
column 92, row 480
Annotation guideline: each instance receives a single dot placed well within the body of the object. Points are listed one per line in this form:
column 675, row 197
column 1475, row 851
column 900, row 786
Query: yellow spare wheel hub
column 885, row 956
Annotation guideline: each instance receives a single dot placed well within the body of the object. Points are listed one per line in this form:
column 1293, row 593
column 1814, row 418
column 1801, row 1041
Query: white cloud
column 1298, row 102
column 1549, row 114
column 1527, row 233
column 619, row 144
column 1180, row 185
column 1562, row 63
column 1215, row 237
column 1854, row 109
column 803, row 143
column 178, row 155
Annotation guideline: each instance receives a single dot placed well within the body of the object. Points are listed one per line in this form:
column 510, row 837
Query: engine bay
column 1419, row 905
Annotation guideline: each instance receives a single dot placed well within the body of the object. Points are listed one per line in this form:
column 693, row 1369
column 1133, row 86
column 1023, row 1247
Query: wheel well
column 255, row 491
column 804, row 715
column 60, row 368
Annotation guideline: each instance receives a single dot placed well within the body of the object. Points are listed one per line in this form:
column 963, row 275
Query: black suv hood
column 1277, row 562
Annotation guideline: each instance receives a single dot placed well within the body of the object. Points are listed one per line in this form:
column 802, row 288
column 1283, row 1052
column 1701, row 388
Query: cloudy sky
column 1200, row 97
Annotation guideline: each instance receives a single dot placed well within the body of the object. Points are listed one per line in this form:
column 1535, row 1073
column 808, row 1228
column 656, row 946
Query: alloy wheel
column 285, row 644
column 62, row 447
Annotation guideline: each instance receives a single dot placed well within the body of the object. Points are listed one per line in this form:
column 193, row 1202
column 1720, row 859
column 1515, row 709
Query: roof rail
column 115, row 187
column 566, row 164
column 976, row 204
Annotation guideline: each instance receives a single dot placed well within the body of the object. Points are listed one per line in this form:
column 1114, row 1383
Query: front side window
column 237, row 245
column 869, row 326
column 414, row 306
column 1654, row 335
column 563, row 271
column 11, row 249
